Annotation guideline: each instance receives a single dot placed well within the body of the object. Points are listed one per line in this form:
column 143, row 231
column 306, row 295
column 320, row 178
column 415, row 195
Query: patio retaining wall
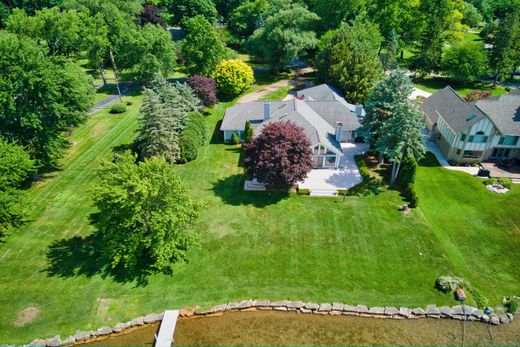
column 459, row 312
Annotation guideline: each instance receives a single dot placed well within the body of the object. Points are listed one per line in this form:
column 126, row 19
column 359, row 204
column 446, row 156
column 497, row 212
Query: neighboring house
column 466, row 132
column 326, row 118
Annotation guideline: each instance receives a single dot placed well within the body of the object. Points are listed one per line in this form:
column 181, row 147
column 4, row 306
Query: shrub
column 363, row 168
column 477, row 95
column 192, row 137
column 117, row 108
column 128, row 103
column 505, row 182
column 489, row 181
column 408, row 172
column 205, row 88
column 233, row 77
column 512, row 306
column 303, row 191
column 343, row 192
column 508, row 89
column 448, row 284
column 480, row 300
column 412, row 196
column 235, row 139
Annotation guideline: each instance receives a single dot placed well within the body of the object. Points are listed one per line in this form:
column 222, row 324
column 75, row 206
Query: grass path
column 254, row 245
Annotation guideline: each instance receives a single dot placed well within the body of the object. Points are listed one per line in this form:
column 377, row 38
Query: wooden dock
column 165, row 336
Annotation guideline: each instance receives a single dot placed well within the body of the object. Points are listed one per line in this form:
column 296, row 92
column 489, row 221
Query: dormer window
column 480, row 133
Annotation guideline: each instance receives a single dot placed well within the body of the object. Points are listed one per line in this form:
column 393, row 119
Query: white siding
column 446, row 132
column 485, row 128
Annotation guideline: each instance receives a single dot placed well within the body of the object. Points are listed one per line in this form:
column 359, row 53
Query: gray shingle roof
column 504, row 112
column 458, row 113
column 317, row 114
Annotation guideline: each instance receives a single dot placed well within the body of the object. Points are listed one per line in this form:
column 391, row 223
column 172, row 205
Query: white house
column 326, row 118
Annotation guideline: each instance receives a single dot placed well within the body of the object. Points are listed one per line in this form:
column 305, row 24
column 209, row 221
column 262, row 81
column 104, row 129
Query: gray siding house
column 326, row 118
column 466, row 132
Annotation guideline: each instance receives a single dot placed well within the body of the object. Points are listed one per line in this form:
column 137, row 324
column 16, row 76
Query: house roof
column 504, row 112
column 458, row 114
column 317, row 113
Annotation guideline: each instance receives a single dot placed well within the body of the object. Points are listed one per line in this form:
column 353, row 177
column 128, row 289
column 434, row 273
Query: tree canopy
column 146, row 217
column 279, row 156
column 183, row 10
column 202, row 49
column 286, row 35
column 233, row 77
column 41, row 97
column 466, row 61
column 348, row 58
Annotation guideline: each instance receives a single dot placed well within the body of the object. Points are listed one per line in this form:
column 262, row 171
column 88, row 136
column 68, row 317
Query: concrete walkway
column 419, row 92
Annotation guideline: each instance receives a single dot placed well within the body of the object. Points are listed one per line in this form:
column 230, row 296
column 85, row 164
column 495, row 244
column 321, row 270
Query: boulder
column 280, row 308
column 361, row 309
column 68, row 341
column 232, row 306
column 82, row 335
column 468, row 310
column 511, row 316
column 338, row 306
column 304, row 310
column 294, row 305
column 261, row 303
column 477, row 313
column 446, row 311
column 485, row 318
column 137, row 321
column 103, row 331
column 311, row 306
column 217, row 309
column 325, row 307
column 494, row 321
column 279, row 304
column 245, row 304
column 432, row 310
column 38, row 343
column 152, row 318
column 120, row 327
column 376, row 310
column 458, row 310
column 335, row 313
column 505, row 320
column 350, row 308
column 405, row 312
column 54, row 342
column 418, row 312
column 391, row 311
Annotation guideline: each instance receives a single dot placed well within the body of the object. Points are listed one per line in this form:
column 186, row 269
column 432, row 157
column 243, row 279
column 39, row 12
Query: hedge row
column 363, row 168
column 192, row 138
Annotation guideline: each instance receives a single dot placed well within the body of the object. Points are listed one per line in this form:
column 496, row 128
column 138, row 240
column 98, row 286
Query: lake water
column 270, row 328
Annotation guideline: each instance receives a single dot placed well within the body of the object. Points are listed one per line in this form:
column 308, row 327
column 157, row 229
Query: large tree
column 438, row 20
column 182, row 10
column 286, row 35
column 505, row 54
column 380, row 105
column 393, row 121
column 146, row 217
column 60, row 31
column 280, row 156
column 225, row 7
column 233, row 77
column 164, row 114
column 246, row 18
column 334, row 12
column 202, row 49
column 41, row 98
column 348, row 58
column 205, row 88
column 466, row 61
column 15, row 168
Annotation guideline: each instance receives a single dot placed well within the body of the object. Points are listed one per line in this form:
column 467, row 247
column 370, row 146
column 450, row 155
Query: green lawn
column 254, row 245
column 279, row 94
column 433, row 84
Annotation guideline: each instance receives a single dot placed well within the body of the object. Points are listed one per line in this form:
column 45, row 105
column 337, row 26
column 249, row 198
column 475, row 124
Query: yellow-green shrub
column 233, row 77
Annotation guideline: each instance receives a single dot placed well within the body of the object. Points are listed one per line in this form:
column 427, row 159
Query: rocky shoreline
column 459, row 312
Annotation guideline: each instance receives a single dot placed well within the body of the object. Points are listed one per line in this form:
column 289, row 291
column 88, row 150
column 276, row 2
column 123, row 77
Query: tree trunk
column 116, row 73
column 496, row 78
column 381, row 158
column 402, row 54
column 102, row 73
column 395, row 171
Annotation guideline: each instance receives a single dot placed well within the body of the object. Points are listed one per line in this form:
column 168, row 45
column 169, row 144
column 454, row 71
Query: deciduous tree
column 348, row 58
column 505, row 54
column 279, row 156
column 334, row 12
column 205, row 88
column 287, row 35
column 202, row 49
column 466, row 61
column 42, row 97
column 233, row 77
column 146, row 217
column 183, row 10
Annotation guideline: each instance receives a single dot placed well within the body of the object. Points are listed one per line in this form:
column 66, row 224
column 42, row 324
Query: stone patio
column 326, row 182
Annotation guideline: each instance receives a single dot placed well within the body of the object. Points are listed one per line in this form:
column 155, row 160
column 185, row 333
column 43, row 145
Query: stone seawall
column 459, row 312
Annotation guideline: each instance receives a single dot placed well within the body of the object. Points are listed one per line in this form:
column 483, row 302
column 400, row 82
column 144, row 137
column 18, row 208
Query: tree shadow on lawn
column 83, row 256
column 231, row 191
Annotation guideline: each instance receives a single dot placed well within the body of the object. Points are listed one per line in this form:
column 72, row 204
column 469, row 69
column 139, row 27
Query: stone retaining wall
column 460, row 312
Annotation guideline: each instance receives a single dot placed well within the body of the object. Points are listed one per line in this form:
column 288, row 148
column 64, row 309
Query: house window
column 478, row 139
column 471, row 154
column 463, row 137
column 330, row 161
column 508, row 140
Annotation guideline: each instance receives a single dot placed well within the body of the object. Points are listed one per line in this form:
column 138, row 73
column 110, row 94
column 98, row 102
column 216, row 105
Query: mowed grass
column 254, row 245
column 279, row 94
column 434, row 84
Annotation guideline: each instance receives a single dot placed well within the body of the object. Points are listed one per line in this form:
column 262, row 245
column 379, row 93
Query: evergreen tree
column 505, row 54
column 392, row 49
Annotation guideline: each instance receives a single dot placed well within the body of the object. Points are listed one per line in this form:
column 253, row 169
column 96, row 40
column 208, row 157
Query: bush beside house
column 192, row 138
